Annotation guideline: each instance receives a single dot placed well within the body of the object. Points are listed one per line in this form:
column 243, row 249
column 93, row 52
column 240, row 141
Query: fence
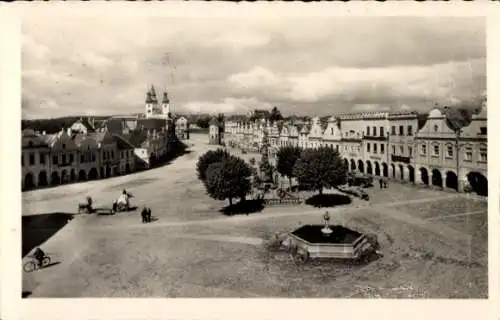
column 282, row 201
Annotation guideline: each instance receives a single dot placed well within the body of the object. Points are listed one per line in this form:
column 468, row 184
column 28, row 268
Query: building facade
column 121, row 145
column 395, row 145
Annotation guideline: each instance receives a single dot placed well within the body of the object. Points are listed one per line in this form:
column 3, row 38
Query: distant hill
column 54, row 125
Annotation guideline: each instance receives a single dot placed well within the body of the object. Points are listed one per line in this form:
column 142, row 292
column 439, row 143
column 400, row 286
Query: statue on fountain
column 326, row 219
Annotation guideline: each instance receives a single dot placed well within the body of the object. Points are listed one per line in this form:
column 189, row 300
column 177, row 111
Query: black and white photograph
column 244, row 157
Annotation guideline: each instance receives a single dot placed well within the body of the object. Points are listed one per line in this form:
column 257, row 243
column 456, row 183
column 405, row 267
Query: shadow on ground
column 37, row 229
column 328, row 200
column 244, row 207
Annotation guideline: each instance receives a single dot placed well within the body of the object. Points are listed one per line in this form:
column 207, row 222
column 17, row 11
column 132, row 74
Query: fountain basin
column 341, row 243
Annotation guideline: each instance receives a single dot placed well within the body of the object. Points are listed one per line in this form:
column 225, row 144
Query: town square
column 277, row 160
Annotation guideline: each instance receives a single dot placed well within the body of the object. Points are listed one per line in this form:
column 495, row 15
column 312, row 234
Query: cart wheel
column 45, row 261
column 29, row 266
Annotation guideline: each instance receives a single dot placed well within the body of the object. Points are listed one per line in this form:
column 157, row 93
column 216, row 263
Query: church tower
column 165, row 105
column 151, row 103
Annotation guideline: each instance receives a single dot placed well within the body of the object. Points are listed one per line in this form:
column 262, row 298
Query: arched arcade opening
column 478, row 182
column 451, row 180
column 424, row 176
column 437, row 179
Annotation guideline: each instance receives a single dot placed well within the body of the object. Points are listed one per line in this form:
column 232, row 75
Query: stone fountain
column 327, row 241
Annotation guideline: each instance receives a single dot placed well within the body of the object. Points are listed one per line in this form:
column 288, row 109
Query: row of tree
column 225, row 176
column 315, row 169
column 229, row 177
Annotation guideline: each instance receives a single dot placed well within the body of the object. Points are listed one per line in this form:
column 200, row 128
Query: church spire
column 153, row 93
column 149, row 98
column 165, row 98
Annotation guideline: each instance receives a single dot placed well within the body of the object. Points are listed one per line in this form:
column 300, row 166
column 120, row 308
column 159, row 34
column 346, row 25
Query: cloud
column 453, row 80
column 227, row 105
column 302, row 65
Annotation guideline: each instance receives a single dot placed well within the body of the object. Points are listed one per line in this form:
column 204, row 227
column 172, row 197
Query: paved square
column 434, row 243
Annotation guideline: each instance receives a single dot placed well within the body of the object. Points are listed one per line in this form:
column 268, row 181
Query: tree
column 208, row 158
column 287, row 157
column 228, row 179
column 203, row 121
column 320, row 168
column 275, row 115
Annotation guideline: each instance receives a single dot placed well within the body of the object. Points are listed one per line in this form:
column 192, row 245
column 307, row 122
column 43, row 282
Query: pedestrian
column 381, row 183
column 385, row 183
column 144, row 214
column 148, row 216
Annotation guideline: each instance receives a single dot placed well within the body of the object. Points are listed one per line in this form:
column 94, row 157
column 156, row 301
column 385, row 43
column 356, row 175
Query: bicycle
column 32, row 264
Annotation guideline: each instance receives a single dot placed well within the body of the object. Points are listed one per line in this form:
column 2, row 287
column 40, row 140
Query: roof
column 98, row 136
column 49, row 139
column 79, row 138
column 31, row 138
column 122, row 143
column 214, row 122
column 86, row 124
column 305, row 128
column 136, row 138
column 151, row 123
column 115, row 125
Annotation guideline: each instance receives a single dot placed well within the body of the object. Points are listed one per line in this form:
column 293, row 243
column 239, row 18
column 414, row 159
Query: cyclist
column 39, row 255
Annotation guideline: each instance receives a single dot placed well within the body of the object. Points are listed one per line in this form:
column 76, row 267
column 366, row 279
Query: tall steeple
column 165, row 104
column 151, row 103
column 153, row 93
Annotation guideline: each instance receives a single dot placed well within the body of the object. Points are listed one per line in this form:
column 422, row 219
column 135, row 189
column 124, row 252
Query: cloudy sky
column 311, row 66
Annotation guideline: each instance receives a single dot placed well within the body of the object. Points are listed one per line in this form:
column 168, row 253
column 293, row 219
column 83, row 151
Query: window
column 55, row 160
column 368, row 147
column 449, row 151
column 64, row 146
column 483, row 155
column 71, row 158
column 82, row 158
column 424, row 149
column 367, row 131
column 22, row 160
column 382, row 148
column 393, row 130
column 381, row 131
column 393, row 149
column 410, row 131
column 32, row 159
column 436, row 128
column 410, row 151
column 436, row 150
column 374, row 148
column 332, row 131
column 468, row 154
column 42, row 158
column 483, row 131
column 401, row 150
column 401, row 131
column 374, row 131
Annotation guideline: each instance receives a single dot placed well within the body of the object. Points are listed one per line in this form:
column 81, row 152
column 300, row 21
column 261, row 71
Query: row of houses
column 88, row 151
column 399, row 145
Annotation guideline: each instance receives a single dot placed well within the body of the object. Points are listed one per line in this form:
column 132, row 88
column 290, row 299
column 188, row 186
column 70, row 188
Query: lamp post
column 457, row 150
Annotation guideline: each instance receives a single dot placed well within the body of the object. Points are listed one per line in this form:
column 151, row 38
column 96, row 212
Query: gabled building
column 315, row 138
column 108, row 153
column 35, row 160
column 63, row 156
column 332, row 136
column 83, row 126
column 215, row 132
